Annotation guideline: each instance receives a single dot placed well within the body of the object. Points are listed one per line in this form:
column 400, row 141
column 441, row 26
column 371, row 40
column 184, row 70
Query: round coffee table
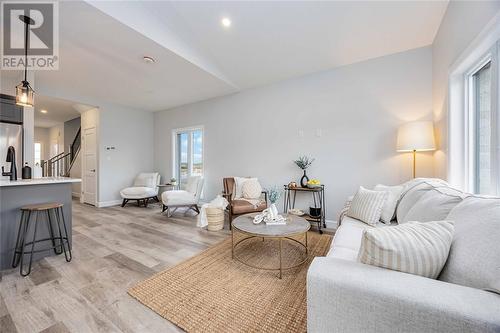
column 295, row 226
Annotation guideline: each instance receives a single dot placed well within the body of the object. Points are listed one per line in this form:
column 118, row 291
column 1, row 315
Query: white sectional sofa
column 344, row 295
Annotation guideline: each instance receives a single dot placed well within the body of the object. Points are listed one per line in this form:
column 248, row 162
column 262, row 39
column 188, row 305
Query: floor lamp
column 416, row 136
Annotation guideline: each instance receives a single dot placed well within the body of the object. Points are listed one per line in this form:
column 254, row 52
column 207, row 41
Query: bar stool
column 59, row 242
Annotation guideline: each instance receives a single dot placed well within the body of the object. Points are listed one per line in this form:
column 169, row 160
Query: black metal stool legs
column 64, row 239
column 21, row 233
column 51, row 233
column 32, row 247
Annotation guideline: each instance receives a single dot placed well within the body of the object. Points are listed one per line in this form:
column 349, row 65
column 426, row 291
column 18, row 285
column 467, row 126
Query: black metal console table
column 318, row 194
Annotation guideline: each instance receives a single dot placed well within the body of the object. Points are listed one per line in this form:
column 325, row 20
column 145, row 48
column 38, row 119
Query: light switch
column 301, row 133
column 319, row 132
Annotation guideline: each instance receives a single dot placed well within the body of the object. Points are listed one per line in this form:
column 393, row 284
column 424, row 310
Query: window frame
column 176, row 151
column 471, row 131
column 456, row 152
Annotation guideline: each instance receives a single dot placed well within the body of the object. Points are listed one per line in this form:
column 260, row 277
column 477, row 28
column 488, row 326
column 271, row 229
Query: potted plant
column 304, row 162
column 173, row 181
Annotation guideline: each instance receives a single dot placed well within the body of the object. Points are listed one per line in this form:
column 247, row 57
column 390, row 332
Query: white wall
column 462, row 22
column 42, row 136
column 76, row 172
column 29, row 135
column 71, row 128
column 357, row 109
column 9, row 80
column 56, row 136
column 131, row 133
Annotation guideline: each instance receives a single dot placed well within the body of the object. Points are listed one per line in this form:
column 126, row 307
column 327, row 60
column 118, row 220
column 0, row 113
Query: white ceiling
column 102, row 44
column 58, row 111
column 272, row 41
column 101, row 58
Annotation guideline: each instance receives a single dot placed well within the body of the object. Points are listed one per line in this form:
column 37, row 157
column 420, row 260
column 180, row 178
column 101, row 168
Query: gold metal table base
column 281, row 238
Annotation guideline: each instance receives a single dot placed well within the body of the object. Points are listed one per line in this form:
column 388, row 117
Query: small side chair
column 145, row 188
column 183, row 198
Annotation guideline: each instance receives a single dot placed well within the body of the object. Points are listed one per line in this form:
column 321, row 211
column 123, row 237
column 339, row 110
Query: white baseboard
column 330, row 224
column 109, row 203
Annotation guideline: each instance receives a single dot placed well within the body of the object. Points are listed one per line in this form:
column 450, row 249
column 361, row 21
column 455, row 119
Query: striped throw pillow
column 414, row 247
column 367, row 205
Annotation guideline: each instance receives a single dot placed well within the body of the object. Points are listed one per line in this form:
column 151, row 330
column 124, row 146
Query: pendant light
column 24, row 92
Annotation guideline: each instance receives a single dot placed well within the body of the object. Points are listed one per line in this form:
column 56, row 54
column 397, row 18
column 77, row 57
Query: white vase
column 273, row 211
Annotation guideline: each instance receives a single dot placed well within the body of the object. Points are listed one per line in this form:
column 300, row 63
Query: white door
column 89, row 144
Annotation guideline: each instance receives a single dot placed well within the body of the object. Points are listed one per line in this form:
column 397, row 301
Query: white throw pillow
column 434, row 205
column 393, row 196
column 251, row 189
column 367, row 205
column 145, row 180
column 238, row 186
column 414, row 247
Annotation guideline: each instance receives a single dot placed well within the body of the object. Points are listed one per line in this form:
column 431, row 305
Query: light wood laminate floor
column 113, row 248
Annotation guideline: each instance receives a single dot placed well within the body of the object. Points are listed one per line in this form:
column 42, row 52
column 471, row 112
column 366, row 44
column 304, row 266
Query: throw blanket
column 254, row 202
column 219, row 202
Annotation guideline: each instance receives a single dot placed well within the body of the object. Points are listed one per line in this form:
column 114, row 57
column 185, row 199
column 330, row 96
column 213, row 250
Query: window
column 472, row 148
column 188, row 154
column 38, row 152
column 482, row 128
column 482, row 146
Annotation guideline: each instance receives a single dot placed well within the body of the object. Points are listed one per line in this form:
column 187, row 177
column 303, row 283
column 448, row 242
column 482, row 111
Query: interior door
column 89, row 144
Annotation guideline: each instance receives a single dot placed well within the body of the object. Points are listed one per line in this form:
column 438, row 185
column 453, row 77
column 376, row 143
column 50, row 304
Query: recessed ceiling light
column 43, row 111
column 149, row 60
column 226, row 22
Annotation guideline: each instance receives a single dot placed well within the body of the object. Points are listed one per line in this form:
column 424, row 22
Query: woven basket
column 215, row 218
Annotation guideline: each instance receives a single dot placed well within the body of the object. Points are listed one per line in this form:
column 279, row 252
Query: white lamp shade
column 418, row 135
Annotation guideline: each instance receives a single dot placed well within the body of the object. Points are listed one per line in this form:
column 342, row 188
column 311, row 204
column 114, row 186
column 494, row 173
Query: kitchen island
column 15, row 194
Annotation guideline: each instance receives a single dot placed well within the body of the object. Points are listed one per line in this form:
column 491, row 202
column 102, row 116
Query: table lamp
column 416, row 136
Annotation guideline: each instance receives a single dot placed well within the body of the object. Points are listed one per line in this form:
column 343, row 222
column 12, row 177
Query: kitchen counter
column 38, row 181
column 14, row 195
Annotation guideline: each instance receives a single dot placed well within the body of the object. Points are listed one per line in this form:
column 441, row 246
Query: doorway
column 90, row 157
column 89, row 141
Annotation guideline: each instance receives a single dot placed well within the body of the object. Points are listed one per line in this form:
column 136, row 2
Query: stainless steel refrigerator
column 11, row 135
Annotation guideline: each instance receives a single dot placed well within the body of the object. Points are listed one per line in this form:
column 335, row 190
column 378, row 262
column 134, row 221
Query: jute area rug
column 213, row 293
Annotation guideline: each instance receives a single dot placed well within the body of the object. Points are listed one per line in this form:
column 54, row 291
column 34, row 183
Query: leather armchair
column 238, row 207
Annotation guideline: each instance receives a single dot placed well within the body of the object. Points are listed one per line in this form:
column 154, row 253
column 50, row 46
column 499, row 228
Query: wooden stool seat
column 42, row 206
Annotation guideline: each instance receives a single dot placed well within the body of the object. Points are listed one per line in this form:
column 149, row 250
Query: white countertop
column 38, row 181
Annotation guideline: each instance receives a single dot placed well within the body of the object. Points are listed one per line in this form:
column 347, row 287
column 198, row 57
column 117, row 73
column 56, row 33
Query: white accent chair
column 145, row 188
column 183, row 198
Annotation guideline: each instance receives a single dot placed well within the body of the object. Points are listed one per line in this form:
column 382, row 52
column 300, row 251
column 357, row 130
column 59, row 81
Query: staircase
column 61, row 164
